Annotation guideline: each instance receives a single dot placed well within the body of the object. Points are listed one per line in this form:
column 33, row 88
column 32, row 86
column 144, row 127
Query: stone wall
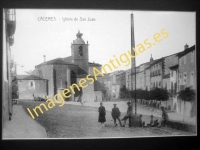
column 25, row 92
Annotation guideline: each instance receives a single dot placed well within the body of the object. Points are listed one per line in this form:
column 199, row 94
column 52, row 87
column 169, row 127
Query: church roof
column 29, row 77
column 57, row 61
column 79, row 40
column 68, row 59
column 81, row 71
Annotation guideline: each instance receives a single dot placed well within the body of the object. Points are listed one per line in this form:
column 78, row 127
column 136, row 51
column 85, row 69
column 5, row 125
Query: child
column 152, row 122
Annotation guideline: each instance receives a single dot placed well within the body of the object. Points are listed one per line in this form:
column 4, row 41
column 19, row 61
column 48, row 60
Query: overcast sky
column 107, row 36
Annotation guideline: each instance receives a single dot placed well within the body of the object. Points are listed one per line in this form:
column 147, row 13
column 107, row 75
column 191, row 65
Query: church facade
column 61, row 73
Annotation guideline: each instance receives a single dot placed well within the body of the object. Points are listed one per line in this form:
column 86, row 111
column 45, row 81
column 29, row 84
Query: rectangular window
column 171, row 87
column 171, row 73
column 175, row 87
column 180, row 79
column 185, row 59
column 185, row 78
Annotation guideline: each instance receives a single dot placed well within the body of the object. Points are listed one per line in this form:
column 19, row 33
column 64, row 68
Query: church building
column 61, row 73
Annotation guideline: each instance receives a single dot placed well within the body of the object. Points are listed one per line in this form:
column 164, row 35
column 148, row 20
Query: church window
column 31, row 84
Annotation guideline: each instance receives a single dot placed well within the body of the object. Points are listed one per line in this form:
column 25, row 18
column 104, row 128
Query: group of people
column 116, row 116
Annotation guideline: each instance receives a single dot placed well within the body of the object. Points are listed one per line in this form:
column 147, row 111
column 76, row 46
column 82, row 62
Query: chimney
column 186, row 46
column 44, row 58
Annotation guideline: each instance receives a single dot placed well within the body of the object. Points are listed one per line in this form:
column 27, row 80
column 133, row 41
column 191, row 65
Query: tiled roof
column 68, row 59
column 188, row 50
column 57, row 61
column 29, row 77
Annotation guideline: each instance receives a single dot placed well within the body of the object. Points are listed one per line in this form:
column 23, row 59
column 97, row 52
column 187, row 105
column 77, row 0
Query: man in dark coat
column 102, row 114
column 116, row 114
column 128, row 114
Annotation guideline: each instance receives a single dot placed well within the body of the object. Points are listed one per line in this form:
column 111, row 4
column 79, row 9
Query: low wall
column 133, row 122
column 181, row 126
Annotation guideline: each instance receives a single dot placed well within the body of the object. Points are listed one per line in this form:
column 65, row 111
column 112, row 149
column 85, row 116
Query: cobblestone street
column 72, row 121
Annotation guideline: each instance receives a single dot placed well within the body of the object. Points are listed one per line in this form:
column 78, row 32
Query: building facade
column 9, row 26
column 31, row 86
column 61, row 73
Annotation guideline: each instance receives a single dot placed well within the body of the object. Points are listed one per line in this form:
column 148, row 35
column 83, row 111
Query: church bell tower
column 79, row 51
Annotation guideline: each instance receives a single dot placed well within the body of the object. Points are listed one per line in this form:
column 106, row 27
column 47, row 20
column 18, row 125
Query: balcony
column 10, row 21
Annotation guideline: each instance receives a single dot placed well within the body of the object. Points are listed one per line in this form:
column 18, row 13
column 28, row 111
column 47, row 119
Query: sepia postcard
column 86, row 73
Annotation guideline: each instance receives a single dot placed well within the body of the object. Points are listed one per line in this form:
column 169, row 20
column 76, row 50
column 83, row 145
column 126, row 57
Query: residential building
column 187, row 68
column 9, row 26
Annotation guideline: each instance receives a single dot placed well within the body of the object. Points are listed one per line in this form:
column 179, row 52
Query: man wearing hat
column 128, row 114
column 116, row 114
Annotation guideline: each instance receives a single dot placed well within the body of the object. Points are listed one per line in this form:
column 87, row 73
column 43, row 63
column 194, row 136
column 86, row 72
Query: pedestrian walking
column 102, row 114
column 116, row 114
column 128, row 114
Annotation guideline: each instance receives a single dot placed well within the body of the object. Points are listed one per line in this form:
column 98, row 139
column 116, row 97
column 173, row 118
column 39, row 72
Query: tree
column 124, row 93
column 188, row 95
column 160, row 94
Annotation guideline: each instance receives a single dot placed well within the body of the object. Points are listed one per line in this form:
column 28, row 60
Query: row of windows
column 156, row 65
column 155, row 73
column 156, row 84
column 183, row 79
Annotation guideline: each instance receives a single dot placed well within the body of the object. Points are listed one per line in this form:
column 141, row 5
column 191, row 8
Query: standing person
column 128, row 114
column 141, row 123
column 165, row 117
column 102, row 114
column 116, row 114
